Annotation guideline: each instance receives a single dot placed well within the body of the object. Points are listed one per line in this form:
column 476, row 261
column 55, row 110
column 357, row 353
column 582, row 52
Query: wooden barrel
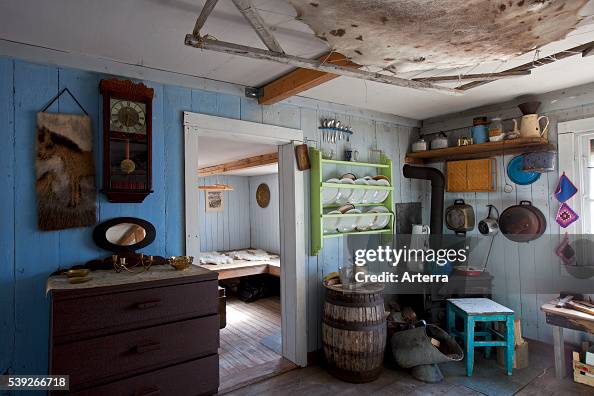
column 354, row 332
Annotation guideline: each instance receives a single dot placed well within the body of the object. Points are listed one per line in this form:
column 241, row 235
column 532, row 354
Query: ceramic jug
column 530, row 126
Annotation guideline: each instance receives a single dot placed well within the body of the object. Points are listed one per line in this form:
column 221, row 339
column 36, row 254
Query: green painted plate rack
column 317, row 209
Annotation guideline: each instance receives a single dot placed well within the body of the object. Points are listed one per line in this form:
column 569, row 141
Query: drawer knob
column 148, row 392
column 148, row 347
column 148, row 304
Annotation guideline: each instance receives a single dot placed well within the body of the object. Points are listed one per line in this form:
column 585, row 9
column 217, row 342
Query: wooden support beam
column 588, row 52
column 477, row 77
column 251, row 162
column 301, row 79
column 206, row 10
column 313, row 64
column 536, row 63
column 251, row 14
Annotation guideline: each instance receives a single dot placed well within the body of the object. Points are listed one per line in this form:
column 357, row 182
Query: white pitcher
column 530, row 126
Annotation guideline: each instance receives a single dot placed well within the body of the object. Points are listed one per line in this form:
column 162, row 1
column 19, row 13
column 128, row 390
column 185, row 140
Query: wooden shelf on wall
column 482, row 150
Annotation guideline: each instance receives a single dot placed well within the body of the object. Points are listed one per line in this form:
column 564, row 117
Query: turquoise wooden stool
column 482, row 311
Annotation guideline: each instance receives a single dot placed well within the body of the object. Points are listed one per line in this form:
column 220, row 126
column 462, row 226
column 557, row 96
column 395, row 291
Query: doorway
column 290, row 343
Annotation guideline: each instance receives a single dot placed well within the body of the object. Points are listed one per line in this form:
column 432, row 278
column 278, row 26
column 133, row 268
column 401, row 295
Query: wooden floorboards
column 242, row 356
column 315, row 381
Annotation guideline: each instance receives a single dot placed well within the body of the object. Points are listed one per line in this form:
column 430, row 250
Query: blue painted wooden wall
column 28, row 256
column 265, row 226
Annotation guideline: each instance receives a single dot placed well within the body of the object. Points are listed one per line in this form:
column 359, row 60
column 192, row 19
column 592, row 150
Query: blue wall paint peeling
column 28, row 256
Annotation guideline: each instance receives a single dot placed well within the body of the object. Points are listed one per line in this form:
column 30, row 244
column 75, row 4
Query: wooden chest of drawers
column 155, row 333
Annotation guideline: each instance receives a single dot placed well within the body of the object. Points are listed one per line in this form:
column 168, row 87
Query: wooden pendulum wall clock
column 127, row 140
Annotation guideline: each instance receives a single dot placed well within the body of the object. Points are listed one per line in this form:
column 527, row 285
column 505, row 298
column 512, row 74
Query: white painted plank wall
column 526, row 275
column 264, row 222
column 229, row 229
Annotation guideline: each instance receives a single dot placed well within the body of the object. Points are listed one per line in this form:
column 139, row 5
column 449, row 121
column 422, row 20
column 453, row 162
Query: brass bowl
column 78, row 273
column 79, row 279
column 180, row 263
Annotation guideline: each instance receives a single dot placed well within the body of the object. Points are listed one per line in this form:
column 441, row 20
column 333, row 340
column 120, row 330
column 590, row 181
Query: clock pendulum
column 127, row 165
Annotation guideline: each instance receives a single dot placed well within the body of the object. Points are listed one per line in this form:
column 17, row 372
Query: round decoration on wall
column 263, row 195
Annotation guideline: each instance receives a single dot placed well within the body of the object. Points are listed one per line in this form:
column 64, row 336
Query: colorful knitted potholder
column 565, row 252
column 565, row 189
column 566, row 215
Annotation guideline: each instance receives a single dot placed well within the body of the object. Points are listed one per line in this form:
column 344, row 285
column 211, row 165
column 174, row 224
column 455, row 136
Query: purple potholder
column 565, row 189
column 566, row 215
column 565, row 252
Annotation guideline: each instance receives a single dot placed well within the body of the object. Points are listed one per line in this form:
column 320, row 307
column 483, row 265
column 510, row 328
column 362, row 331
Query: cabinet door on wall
column 472, row 175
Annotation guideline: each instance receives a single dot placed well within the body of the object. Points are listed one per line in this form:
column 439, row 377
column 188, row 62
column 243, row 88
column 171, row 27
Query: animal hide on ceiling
column 407, row 35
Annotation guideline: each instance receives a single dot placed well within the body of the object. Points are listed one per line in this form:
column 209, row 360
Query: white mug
column 420, row 229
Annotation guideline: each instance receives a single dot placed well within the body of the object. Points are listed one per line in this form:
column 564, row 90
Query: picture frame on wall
column 215, row 201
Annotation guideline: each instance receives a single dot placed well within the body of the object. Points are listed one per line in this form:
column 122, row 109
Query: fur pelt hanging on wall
column 65, row 171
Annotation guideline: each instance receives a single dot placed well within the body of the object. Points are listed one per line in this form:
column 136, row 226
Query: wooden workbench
column 561, row 318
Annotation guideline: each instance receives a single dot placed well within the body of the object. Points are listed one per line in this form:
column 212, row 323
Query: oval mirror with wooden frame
column 263, row 195
column 124, row 234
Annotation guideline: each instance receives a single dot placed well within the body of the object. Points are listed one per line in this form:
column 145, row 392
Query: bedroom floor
column 251, row 342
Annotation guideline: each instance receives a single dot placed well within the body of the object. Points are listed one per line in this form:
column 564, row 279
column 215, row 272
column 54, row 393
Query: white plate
column 381, row 194
column 345, row 193
column 364, row 223
column 331, row 223
column 380, row 221
column 348, row 224
column 358, row 194
column 369, row 195
column 330, row 194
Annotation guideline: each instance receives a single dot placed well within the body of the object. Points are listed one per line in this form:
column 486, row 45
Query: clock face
column 127, row 116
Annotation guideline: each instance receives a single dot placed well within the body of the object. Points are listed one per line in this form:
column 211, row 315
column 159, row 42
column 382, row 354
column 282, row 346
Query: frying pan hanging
column 522, row 223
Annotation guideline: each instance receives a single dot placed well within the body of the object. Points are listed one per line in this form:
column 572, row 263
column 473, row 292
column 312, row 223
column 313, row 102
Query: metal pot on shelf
column 441, row 141
column 419, row 145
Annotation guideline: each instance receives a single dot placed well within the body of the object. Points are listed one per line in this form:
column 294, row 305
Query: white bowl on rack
column 364, row 223
column 348, row 223
column 381, row 195
column 382, row 219
column 359, row 193
column 330, row 224
column 330, row 194
column 345, row 193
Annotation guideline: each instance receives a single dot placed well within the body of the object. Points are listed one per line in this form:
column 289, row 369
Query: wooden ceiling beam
column 206, row 10
column 251, row 162
column 207, row 43
column 251, row 14
column 536, row 63
column 477, row 77
column 301, row 79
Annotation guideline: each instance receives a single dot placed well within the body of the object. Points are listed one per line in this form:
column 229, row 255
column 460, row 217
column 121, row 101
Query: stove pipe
column 437, row 192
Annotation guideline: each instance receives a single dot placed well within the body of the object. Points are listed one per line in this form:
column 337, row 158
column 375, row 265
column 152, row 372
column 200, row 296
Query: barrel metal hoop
column 342, row 303
column 354, row 326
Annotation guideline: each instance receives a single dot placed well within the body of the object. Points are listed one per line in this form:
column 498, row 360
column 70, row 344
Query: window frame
column 572, row 162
